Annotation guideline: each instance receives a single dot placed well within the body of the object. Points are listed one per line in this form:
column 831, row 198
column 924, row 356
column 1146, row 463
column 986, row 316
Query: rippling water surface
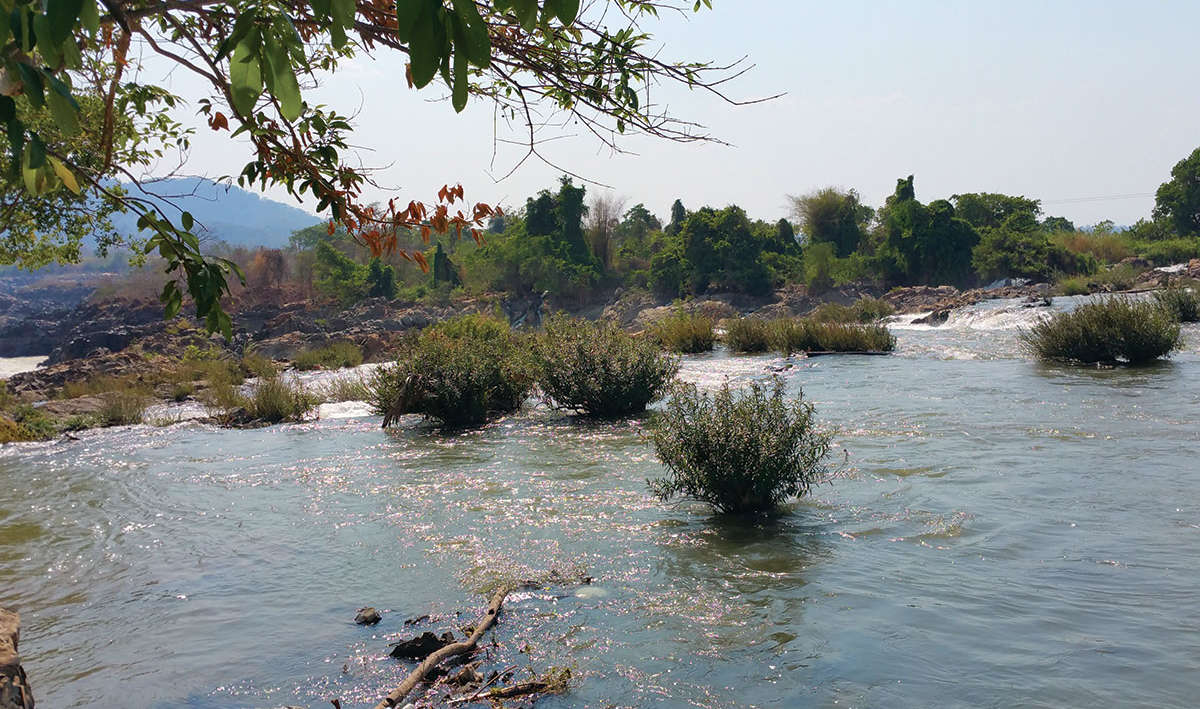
column 1003, row 534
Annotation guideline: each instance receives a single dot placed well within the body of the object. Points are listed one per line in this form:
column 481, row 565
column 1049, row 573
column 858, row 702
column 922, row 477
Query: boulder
column 421, row 646
column 367, row 616
column 14, row 685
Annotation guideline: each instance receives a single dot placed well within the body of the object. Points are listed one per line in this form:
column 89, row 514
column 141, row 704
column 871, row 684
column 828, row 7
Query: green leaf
column 8, row 109
column 425, row 50
column 66, row 116
column 36, row 153
column 187, row 220
column 343, row 13
column 34, row 89
column 478, row 43
column 407, row 12
column 89, row 16
column 459, row 94
column 527, row 12
column 284, row 85
column 61, row 15
column 245, row 78
column 64, row 173
column 565, row 10
column 50, row 50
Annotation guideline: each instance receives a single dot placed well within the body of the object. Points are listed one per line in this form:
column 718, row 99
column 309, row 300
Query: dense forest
column 577, row 248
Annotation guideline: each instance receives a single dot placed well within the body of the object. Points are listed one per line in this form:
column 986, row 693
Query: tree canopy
column 1178, row 199
column 79, row 122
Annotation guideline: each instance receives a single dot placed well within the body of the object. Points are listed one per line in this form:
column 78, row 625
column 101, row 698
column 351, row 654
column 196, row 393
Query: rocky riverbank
column 14, row 685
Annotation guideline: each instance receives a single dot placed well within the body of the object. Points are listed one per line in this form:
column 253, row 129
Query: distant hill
column 231, row 214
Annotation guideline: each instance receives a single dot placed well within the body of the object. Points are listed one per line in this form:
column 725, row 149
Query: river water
column 1001, row 533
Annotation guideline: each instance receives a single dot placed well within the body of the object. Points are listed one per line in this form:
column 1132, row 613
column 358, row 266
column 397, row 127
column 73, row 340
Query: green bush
column 335, row 355
column 33, row 423
column 275, row 400
column 257, row 365
column 1074, row 285
column 681, row 331
column 351, row 388
column 805, row 335
column 865, row 310
column 597, row 369
column 1183, row 303
column 741, row 454
column 747, row 335
column 1169, row 251
column 460, row 380
column 1109, row 331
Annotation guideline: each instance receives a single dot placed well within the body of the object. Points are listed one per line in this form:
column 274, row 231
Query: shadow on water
column 1160, row 374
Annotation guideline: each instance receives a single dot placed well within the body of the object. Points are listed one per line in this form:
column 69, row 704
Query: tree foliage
column 258, row 59
column 832, row 216
column 1178, row 199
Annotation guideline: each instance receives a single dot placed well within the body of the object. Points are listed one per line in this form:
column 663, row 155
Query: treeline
column 578, row 248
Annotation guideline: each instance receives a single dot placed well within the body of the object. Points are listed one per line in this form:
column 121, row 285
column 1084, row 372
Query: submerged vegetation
column 597, row 369
column 740, row 453
column 1116, row 329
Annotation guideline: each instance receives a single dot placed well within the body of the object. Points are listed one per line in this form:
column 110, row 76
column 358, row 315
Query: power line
column 1104, row 198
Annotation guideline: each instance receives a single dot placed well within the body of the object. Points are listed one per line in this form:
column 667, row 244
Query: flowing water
column 1001, row 533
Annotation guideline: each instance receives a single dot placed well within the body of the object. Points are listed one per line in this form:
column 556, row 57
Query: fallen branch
column 410, row 683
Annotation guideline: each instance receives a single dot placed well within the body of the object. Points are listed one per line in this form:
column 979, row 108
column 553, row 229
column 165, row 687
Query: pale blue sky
column 1054, row 100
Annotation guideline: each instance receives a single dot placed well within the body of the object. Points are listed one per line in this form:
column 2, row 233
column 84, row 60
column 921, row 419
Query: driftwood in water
column 410, row 683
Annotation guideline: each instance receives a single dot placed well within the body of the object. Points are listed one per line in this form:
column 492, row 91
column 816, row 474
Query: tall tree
column 834, row 216
column 678, row 214
column 989, row 210
column 925, row 243
column 1178, row 199
column 603, row 219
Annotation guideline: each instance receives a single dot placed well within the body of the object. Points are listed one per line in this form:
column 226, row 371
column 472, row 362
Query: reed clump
column 791, row 335
column 685, row 332
column 335, row 355
column 1183, row 303
column 748, row 335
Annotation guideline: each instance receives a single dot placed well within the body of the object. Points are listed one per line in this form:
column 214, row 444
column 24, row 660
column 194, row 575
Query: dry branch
column 462, row 648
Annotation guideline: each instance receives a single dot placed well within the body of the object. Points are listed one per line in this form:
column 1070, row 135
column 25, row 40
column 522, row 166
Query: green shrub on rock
column 741, row 453
column 1108, row 331
column 335, row 355
column 597, row 369
column 275, row 400
column 461, row 373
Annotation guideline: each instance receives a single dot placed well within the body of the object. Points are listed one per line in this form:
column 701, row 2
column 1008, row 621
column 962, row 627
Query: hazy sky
column 1069, row 102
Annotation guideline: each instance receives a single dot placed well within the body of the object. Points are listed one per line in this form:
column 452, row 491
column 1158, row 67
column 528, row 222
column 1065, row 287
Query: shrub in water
column 597, row 369
column 748, row 335
column 685, row 332
column 742, row 453
column 1112, row 330
column 335, row 355
column 805, row 335
column 1183, row 303
column 460, row 374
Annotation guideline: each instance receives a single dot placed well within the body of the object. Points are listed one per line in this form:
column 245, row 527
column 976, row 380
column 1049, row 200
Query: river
column 1001, row 533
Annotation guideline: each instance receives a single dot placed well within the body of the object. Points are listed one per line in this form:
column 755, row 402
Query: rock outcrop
column 14, row 685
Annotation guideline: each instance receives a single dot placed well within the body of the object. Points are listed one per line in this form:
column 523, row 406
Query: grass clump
column 1108, row 331
column 123, row 408
column 275, row 400
column 459, row 373
column 335, row 355
column 744, row 453
column 597, row 369
column 1183, row 303
column 684, row 332
column 806, row 335
column 350, row 388
column 748, row 335
column 255, row 365
column 864, row 310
